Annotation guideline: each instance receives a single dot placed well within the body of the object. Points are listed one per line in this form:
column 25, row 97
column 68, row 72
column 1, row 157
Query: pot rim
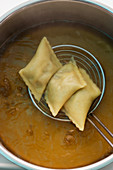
column 94, row 2
column 5, row 152
column 11, row 157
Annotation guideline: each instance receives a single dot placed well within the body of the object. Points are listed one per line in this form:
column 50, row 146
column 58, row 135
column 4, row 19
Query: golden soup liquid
column 29, row 134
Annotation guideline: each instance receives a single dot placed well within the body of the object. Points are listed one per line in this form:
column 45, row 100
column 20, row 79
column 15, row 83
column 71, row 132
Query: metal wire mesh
column 85, row 60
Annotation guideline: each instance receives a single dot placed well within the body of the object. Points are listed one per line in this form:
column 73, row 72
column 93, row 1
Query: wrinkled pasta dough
column 77, row 107
column 40, row 69
column 62, row 85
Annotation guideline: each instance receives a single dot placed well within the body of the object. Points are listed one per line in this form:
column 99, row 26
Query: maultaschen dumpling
column 65, row 82
column 77, row 107
column 40, row 69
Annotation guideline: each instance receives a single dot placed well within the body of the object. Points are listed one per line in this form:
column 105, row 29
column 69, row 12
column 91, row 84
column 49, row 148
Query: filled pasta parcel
column 77, row 107
column 40, row 69
column 65, row 82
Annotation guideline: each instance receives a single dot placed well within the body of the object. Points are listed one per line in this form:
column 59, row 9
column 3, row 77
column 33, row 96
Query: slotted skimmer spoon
column 86, row 60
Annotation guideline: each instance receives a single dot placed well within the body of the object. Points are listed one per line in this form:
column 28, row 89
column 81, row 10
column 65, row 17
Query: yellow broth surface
column 29, row 134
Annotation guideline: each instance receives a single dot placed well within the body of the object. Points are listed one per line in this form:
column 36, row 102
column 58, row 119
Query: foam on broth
column 27, row 132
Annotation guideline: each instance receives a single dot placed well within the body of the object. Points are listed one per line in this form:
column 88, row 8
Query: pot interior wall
column 51, row 11
column 48, row 11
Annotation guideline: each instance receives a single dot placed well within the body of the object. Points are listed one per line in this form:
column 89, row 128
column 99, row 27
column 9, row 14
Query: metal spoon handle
column 98, row 120
column 102, row 134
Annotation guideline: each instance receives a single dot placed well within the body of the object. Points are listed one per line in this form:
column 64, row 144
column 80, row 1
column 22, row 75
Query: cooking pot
column 40, row 11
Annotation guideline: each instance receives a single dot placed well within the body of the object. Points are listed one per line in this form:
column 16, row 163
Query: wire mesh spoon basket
column 87, row 61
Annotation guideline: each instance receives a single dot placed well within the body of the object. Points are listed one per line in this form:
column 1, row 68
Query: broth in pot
column 29, row 134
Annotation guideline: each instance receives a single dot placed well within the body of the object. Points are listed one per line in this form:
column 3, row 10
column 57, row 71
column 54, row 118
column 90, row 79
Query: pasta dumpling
column 62, row 85
column 77, row 107
column 40, row 69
